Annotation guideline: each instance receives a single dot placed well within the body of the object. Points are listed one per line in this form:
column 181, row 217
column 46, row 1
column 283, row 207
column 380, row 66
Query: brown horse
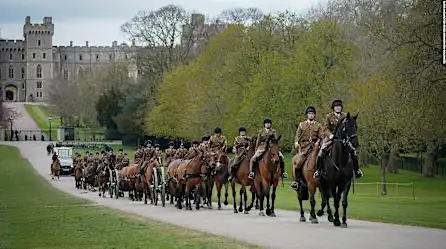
column 90, row 174
column 173, row 182
column 267, row 175
column 190, row 174
column 130, row 179
column 241, row 177
column 220, row 177
column 309, row 187
column 55, row 169
column 147, row 177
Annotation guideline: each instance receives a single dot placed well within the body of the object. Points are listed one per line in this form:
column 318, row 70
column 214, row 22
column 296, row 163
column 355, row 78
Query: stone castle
column 29, row 66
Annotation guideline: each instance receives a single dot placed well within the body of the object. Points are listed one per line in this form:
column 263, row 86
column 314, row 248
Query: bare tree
column 63, row 96
column 245, row 16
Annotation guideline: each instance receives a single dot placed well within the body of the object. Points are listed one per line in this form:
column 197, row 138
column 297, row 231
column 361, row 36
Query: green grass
column 33, row 214
column 40, row 114
column 366, row 203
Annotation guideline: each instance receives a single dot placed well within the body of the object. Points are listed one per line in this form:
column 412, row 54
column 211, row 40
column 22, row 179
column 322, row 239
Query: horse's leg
column 226, row 194
column 210, row 189
column 240, row 208
column 234, row 196
column 336, row 199
column 186, row 196
column 313, row 218
column 245, row 198
column 267, row 195
column 273, row 200
column 260, row 196
column 320, row 212
column 345, row 204
column 218, row 186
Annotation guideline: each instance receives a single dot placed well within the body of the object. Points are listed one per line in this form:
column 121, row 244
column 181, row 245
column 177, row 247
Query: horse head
column 154, row 163
column 210, row 158
column 220, row 160
column 273, row 148
column 346, row 131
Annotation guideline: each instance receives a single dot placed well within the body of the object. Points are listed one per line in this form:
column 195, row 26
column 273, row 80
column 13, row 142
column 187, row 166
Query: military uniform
column 125, row 161
column 307, row 134
column 150, row 152
column 239, row 148
column 217, row 143
column 181, row 153
column 170, row 153
column 138, row 154
column 262, row 136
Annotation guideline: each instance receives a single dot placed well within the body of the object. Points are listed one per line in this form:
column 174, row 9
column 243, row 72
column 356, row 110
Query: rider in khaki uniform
column 217, row 141
column 192, row 150
column 125, row 161
column 239, row 148
column 331, row 120
column 262, row 136
column 149, row 150
column 170, row 152
column 204, row 142
column 181, row 152
column 86, row 156
column 120, row 156
column 96, row 158
column 308, row 135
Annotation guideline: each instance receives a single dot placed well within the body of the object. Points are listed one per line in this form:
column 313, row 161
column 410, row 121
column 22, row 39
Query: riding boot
column 296, row 184
column 253, row 169
column 317, row 173
column 358, row 172
column 231, row 175
column 284, row 175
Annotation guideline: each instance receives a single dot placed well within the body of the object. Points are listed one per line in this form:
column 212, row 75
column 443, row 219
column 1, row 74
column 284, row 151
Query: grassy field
column 35, row 215
column 40, row 115
column 366, row 203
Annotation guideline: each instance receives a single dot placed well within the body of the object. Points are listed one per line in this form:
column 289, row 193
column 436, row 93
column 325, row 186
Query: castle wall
column 37, row 64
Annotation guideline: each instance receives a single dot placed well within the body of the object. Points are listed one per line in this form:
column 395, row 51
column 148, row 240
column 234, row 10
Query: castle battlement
column 12, row 45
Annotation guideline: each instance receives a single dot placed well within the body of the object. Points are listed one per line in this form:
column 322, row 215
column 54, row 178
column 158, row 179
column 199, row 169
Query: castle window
column 34, row 55
column 39, row 94
column 65, row 73
column 11, row 72
column 0, row 74
column 80, row 57
column 39, row 72
column 44, row 55
column 10, row 56
column 23, row 85
column 39, row 85
column 65, row 57
column 126, row 57
column 23, row 73
column 110, row 56
column 23, row 56
column 39, row 43
column 97, row 57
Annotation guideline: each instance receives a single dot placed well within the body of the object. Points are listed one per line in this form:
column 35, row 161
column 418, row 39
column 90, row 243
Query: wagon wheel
column 155, row 186
column 116, row 184
column 163, row 188
column 110, row 183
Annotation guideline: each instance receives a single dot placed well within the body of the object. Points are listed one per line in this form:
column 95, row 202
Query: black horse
column 339, row 168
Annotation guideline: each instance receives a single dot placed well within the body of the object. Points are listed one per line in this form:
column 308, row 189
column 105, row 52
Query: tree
column 243, row 16
column 64, row 96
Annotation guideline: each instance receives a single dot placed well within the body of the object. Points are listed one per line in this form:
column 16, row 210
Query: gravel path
column 284, row 231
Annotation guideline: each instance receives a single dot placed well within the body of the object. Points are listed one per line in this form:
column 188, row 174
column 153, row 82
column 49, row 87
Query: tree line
column 383, row 58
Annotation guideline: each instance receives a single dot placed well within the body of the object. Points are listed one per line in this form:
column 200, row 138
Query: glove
column 234, row 150
column 296, row 144
column 331, row 136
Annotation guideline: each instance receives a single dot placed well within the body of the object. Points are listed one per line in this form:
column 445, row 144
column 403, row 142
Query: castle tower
column 39, row 58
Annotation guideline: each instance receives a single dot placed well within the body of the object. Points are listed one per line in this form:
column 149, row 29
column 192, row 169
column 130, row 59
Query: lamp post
column 10, row 127
column 49, row 122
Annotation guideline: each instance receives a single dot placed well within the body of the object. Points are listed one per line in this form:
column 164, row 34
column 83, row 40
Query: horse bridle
column 347, row 140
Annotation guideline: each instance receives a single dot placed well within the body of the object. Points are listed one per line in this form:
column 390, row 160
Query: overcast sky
column 98, row 21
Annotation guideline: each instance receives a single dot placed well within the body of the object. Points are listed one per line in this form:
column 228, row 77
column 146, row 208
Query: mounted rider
column 103, row 157
column 138, row 154
column 241, row 143
column 204, row 142
column 170, row 152
column 217, row 141
column 120, row 156
column 149, row 150
column 86, row 156
column 193, row 150
column 158, row 153
column 181, row 152
column 262, row 136
column 125, row 161
column 308, row 136
column 331, row 121
column 96, row 158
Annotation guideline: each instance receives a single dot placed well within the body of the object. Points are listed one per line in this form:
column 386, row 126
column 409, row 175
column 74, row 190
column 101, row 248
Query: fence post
column 377, row 189
column 397, row 194
column 413, row 190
